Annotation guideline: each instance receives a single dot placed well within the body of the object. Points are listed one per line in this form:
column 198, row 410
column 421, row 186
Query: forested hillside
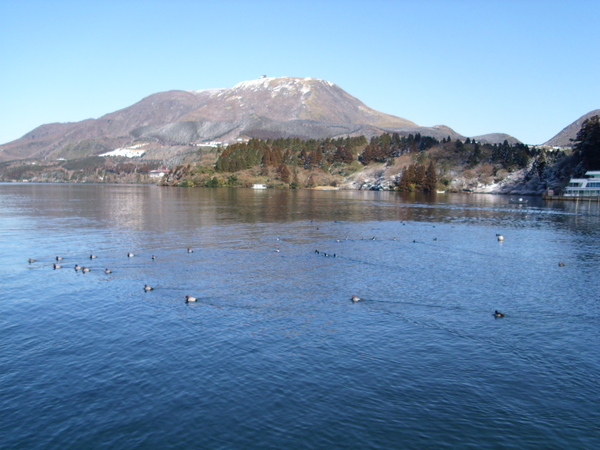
column 418, row 163
column 412, row 163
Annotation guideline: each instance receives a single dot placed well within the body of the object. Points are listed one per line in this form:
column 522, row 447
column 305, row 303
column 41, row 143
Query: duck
column 130, row 255
column 498, row 314
column 190, row 250
column 500, row 237
column 153, row 257
column 77, row 267
column 56, row 266
column 85, row 269
column 148, row 288
column 107, row 271
column 93, row 256
column 355, row 299
column 59, row 258
column 31, row 260
column 561, row 264
column 189, row 299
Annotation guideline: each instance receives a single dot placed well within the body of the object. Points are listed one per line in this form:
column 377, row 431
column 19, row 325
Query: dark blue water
column 274, row 354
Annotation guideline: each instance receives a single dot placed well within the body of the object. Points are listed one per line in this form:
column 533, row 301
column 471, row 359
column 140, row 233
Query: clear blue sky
column 523, row 67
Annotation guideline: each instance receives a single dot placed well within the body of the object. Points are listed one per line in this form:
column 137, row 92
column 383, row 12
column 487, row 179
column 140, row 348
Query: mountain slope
column 307, row 108
column 569, row 133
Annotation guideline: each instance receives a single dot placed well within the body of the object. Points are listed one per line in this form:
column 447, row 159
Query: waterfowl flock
column 190, row 299
column 78, row 268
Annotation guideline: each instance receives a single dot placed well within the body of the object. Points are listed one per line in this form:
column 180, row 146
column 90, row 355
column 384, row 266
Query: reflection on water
column 274, row 354
column 143, row 207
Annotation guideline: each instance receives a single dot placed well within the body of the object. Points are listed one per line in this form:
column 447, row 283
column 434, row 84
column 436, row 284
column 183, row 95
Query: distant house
column 158, row 173
column 213, row 144
column 584, row 187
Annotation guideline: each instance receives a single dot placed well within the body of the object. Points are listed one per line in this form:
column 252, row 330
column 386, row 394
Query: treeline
column 382, row 148
column 510, row 157
column 418, row 178
column 296, row 152
column 91, row 168
column 311, row 153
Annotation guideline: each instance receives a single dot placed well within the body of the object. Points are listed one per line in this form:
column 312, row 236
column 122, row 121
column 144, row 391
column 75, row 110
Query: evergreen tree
column 430, row 183
column 407, row 180
column 284, row 172
column 587, row 143
column 419, row 177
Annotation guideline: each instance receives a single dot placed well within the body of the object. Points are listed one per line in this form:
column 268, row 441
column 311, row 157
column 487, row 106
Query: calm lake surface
column 274, row 354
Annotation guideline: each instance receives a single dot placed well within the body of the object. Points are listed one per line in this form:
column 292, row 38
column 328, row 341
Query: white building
column 584, row 187
column 158, row 173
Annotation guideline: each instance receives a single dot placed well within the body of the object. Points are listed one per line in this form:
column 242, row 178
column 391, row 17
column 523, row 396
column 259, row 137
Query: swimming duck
column 500, row 237
column 189, row 299
column 107, row 271
column 93, row 256
column 354, row 298
column 77, row 267
column 153, row 257
column 498, row 314
column 148, row 288
column 129, row 255
column 31, row 260
column 561, row 264
column 56, row 266
column 190, row 250
column 59, row 258
column 85, row 269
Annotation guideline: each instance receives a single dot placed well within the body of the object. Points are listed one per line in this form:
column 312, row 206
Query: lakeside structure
column 579, row 188
column 584, row 187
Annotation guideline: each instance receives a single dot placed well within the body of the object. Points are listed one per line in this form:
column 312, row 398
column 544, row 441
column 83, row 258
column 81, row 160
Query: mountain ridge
column 268, row 107
column 568, row 134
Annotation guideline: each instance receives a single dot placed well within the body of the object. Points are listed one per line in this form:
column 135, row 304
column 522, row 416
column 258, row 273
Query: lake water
column 274, row 354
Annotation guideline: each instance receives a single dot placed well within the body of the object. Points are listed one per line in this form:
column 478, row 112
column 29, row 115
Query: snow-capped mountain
column 262, row 108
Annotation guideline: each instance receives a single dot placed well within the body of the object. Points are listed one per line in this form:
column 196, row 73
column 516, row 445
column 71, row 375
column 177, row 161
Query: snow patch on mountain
column 211, row 92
